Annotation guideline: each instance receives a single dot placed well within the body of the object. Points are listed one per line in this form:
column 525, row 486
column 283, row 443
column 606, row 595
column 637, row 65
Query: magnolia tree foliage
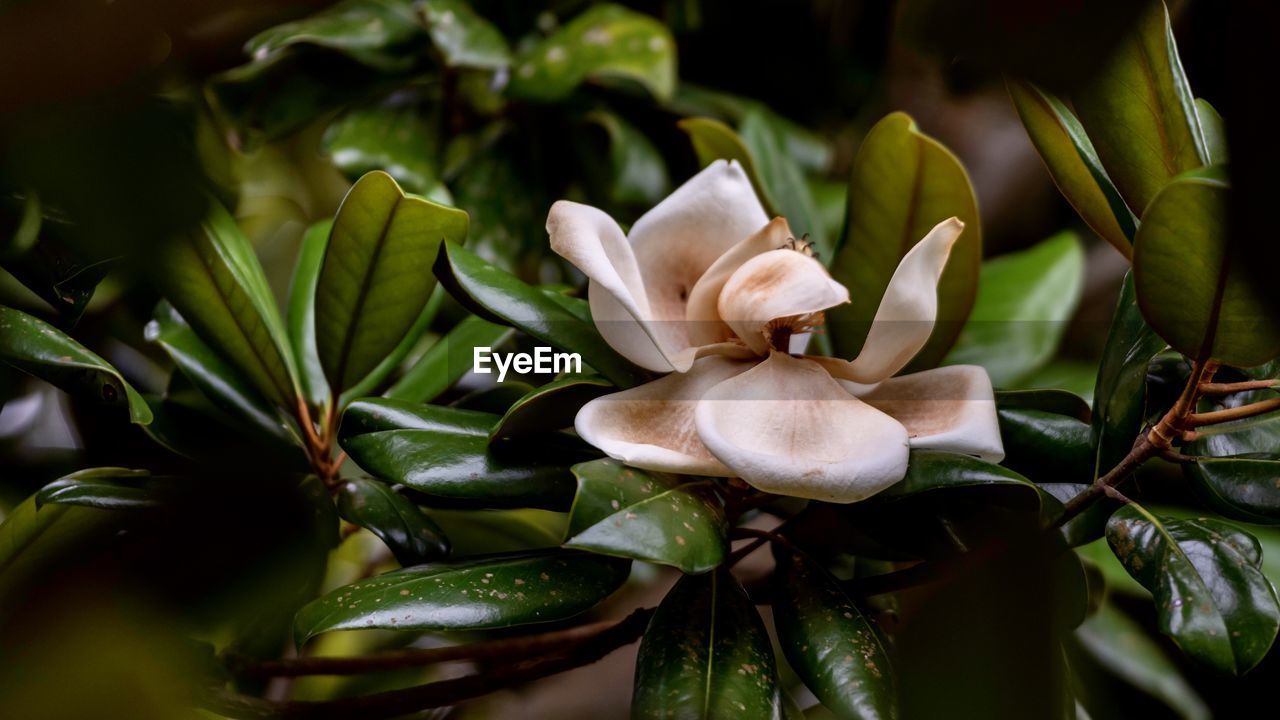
column 813, row 451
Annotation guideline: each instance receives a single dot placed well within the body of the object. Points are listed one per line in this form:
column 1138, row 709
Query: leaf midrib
column 366, row 283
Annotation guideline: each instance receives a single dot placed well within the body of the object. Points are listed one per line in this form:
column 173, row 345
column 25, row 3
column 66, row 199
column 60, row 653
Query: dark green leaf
column 479, row 532
column 475, row 594
column 412, row 536
column 639, row 174
column 447, row 360
column 396, row 140
column 393, row 360
column 783, row 180
column 931, row 472
column 1215, row 132
column 830, row 644
column 645, row 515
column 1120, row 392
column 501, row 297
column 1121, row 646
column 32, row 536
column 464, row 38
column 225, row 386
column 706, row 655
column 606, row 42
column 59, row 275
column 301, row 319
column 1193, row 287
column 903, row 184
column 1046, row 447
column 552, row 406
column 373, row 285
column 374, row 32
column 1025, row 300
column 107, row 488
column 1140, row 114
column 812, row 151
column 1258, row 434
column 1059, row 402
column 1242, row 487
column 445, row 453
column 1210, row 594
column 1073, row 164
column 38, row 348
column 215, row 281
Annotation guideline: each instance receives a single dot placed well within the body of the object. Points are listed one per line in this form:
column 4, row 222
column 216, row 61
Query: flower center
column 780, row 330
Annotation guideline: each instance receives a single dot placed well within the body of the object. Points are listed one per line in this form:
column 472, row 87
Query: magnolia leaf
column 713, row 140
column 830, row 644
column 108, row 488
column 396, row 140
column 447, row 360
column 706, row 655
column 639, row 172
column 412, row 536
column 645, row 515
column 1211, row 596
column 373, row 284
column 301, row 319
column 1073, row 164
column 1193, row 287
column 606, row 42
column 1215, row 132
column 903, row 184
column 1024, row 302
column 38, row 348
column 475, row 594
column 1059, row 402
column 213, row 278
column 552, row 406
column 373, row 32
column 1140, row 114
column 496, row 295
column 1241, row 487
column 464, row 38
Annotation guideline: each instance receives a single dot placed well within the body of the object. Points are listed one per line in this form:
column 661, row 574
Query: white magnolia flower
column 708, row 289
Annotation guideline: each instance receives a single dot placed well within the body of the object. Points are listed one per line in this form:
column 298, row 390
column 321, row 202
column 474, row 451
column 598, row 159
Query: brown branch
column 1212, row 388
column 1235, row 413
column 504, row 649
column 395, row 703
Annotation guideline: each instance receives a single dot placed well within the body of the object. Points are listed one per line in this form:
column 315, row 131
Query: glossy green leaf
column 394, row 360
column 1059, row 402
column 412, row 536
column 830, row 644
column 1210, row 594
column 464, row 38
column 108, row 488
column 1258, row 434
column 38, row 348
column 638, row 170
column 301, row 319
column 706, row 655
column 475, row 594
column 374, row 283
column 397, row 140
column 445, row 453
column 501, row 297
column 783, row 179
column 1120, row 645
column 606, row 42
column 646, row 515
column 222, row 384
column 56, row 272
column 32, row 536
column 1194, row 288
column 1120, row 392
column 903, row 184
column 552, row 406
column 1025, row 300
column 930, row 472
column 374, row 32
column 447, row 360
column 1073, row 164
column 1140, row 114
column 1215, row 132
column 812, row 151
column 480, row 532
column 1045, row 446
column 213, row 278
column 1242, row 487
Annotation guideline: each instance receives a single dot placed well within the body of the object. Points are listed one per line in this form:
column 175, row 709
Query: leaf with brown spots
column 645, row 515
column 1205, row 574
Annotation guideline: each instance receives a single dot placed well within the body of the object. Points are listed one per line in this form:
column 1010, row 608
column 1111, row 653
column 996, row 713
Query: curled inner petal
column 785, row 286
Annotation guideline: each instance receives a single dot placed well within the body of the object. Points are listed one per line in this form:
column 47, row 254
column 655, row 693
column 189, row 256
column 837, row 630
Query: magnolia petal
column 685, row 359
column 683, row 235
column 908, row 309
column 705, row 325
column 787, row 427
column 652, row 426
column 593, row 242
column 775, row 284
column 951, row 408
